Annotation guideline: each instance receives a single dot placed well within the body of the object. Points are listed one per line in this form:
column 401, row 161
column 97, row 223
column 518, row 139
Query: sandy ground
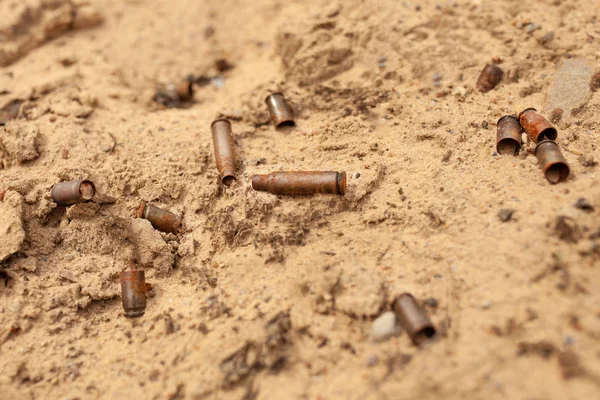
column 266, row 297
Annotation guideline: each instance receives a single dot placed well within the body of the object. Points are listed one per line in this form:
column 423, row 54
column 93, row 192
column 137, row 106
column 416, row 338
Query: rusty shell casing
column 133, row 293
column 164, row 221
column 508, row 138
column 301, row 183
column 224, row 150
column 281, row 112
column 537, row 127
column 489, row 78
column 552, row 162
column 413, row 319
column 67, row 193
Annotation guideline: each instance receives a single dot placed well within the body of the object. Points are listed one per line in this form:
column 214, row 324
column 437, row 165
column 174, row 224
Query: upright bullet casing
column 413, row 319
column 67, row 193
column 133, row 293
column 551, row 161
column 281, row 113
column 489, row 78
column 537, row 127
column 164, row 221
column 508, row 138
column 224, row 150
column 301, row 183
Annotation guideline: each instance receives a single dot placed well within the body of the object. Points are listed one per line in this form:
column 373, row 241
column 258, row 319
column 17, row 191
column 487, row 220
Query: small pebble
column 372, row 360
column 431, row 302
column 505, row 214
column 584, row 205
column 486, row 304
column 384, row 327
column 569, row 340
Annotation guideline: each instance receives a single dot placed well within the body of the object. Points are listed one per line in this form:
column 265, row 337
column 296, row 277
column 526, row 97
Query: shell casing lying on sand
column 552, row 162
column 224, row 150
column 537, row 127
column 508, row 138
column 413, row 319
column 66, row 193
column 301, row 182
column 133, row 293
column 489, row 78
column 281, row 112
column 164, row 221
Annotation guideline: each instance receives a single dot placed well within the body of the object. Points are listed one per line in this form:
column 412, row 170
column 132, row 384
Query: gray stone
column 384, row 327
column 571, row 87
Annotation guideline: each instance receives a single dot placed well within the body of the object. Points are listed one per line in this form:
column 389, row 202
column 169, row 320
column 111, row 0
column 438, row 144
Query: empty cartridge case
column 537, row 127
column 489, row 78
column 413, row 319
column 164, row 221
column 133, row 293
column 301, row 183
column 67, row 193
column 552, row 162
column 224, row 150
column 508, row 138
column 281, row 112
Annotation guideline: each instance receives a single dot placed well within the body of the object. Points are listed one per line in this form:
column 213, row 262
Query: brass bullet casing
column 133, row 293
column 489, row 78
column 552, row 162
column 413, row 319
column 537, row 127
column 508, row 138
column 67, row 193
column 281, row 113
column 224, row 150
column 301, row 183
column 162, row 220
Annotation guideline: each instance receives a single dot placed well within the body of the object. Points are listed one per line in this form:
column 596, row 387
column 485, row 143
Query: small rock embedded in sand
column 12, row 234
column 385, row 327
column 584, row 205
column 505, row 214
column 571, row 87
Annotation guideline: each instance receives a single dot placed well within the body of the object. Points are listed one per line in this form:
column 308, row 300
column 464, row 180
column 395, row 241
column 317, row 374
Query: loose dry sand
column 265, row 297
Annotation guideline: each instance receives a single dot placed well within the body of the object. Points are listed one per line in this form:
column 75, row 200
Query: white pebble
column 385, row 327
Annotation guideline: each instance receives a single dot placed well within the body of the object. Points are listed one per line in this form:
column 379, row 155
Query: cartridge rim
column 527, row 109
column 219, row 120
column 273, row 94
column 505, row 143
column 83, row 193
column 508, row 116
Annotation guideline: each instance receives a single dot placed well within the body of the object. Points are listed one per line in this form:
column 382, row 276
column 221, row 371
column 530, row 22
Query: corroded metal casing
column 537, row 127
column 66, row 193
column 133, row 293
column 508, row 138
column 489, row 78
column 551, row 161
column 224, row 150
column 164, row 221
column 281, row 113
column 413, row 319
column 301, row 183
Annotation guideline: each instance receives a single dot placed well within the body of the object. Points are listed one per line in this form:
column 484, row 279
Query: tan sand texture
column 273, row 297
